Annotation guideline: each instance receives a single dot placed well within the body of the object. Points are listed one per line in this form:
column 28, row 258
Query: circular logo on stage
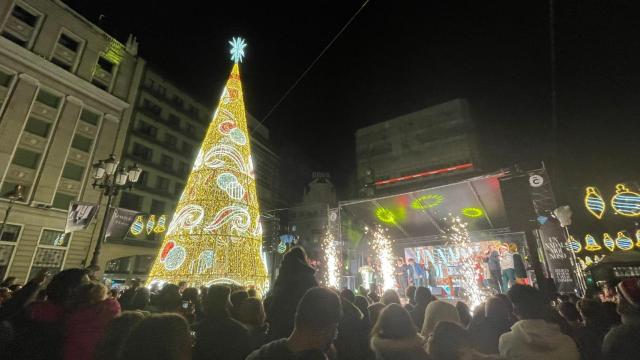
column 536, row 180
column 333, row 216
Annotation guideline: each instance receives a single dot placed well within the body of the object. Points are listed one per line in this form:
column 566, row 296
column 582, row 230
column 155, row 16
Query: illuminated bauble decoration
column 588, row 261
column 608, row 242
column 160, row 225
column 151, row 223
column 175, row 258
column 427, row 201
column 638, row 238
column 626, row 202
column 282, row 247
column 137, row 226
column 215, row 232
column 574, row 245
column 594, row 203
column 472, row 212
column 623, row 242
column 590, row 243
column 385, row 215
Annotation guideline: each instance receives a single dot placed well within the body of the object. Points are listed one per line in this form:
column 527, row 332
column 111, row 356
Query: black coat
column 221, row 337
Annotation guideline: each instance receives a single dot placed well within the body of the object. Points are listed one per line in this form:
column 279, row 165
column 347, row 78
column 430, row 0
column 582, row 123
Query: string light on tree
column 332, row 274
column 458, row 236
column 215, row 234
column 381, row 246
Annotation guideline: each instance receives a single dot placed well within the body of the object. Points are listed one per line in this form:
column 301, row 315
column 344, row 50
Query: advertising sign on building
column 80, row 215
column 558, row 258
column 120, row 222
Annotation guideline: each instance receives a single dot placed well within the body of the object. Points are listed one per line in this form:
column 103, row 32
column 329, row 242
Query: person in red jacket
column 90, row 311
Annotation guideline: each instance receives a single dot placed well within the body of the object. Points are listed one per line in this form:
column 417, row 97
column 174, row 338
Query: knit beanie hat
column 630, row 290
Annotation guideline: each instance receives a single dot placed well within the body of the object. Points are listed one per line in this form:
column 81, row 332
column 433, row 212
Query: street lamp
column 110, row 178
column 14, row 195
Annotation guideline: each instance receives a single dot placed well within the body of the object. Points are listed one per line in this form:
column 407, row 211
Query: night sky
column 401, row 56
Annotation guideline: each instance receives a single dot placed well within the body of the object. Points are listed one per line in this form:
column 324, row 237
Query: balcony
column 19, row 30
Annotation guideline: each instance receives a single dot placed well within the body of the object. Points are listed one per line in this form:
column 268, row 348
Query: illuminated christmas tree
column 215, row 235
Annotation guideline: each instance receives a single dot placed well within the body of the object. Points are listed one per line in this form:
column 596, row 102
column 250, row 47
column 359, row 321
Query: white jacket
column 535, row 340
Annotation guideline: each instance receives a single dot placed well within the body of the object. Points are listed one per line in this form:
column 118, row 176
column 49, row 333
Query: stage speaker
column 516, row 196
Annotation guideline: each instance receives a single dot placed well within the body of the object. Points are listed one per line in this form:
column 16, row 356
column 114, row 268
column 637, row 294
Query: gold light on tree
column 215, row 235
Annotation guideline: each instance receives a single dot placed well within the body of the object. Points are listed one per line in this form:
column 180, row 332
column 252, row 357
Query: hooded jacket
column 399, row 349
column 537, row 339
column 278, row 350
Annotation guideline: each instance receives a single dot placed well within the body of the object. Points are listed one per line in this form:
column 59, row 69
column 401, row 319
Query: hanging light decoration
column 608, row 242
column 594, row 203
column 458, row 236
column 626, row 202
column 623, row 242
column 591, row 244
column 574, row 245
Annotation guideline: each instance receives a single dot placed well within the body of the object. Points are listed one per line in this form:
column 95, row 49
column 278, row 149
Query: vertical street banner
column 119, row 223
column 561, row 268
column 80, row 215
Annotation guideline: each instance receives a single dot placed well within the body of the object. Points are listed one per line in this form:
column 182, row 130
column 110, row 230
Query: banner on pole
column 80, row 215
column 558, row 258
column 119, row 223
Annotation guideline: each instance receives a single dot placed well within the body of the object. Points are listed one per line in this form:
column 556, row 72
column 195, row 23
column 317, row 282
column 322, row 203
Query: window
column 8, row 239
column 171, row 140
column 82, row 143
column 166, row 161
column 103, row 73
column 178, row 100
column 73, row 172
column 47, row 258
column 173, row 121
column 37, row 127
column 5, row 78
column 144, row 177
column 187, row 149
column 142, row 152
column 157, row 207
column 21, row 25
column 26, row 158
column 162, row 184
column 183, row 168
column 48, row 98
column 177, row 189
column 66, row 52
column 105, row 65
column 9, row 186
column 190, row 129
column 54, row 238
column 90, row 117
column 62, row 201
column 147, row 129
column 130, row 201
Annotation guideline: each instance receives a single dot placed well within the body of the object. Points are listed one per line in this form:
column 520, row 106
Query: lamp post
column 14, row 195
column 110, row 178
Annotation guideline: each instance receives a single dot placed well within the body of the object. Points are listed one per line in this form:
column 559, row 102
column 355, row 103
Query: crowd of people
column 74, row 317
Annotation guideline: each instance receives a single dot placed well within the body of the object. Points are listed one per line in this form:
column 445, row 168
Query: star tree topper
column 237, row 49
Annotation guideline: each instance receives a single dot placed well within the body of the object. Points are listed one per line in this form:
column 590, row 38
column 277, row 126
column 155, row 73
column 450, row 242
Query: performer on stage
column 507, row 267
column 492, row 258
column 402, row 275
column 417, row 271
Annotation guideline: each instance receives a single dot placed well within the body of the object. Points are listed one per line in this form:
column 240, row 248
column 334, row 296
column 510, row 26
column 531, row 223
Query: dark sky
column 400, row 56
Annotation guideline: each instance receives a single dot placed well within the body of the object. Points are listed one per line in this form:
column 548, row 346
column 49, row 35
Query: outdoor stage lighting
column 472, row 212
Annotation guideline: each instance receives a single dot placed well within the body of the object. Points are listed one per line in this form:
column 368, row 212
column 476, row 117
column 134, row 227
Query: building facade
column 65, row 93
column 165, row 134
column 412, row 150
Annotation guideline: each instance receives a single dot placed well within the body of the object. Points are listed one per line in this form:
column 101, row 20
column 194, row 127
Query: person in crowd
column 449, row 341
column 5, row 294
column 374, row 312
column 252, row 292
column 118, row 330
column 219, row 336
column 15, row 287
column 39, row 331
column 394, row 337
column 518, row 265
column 191, row 299
column 570, row 313
column 589, row 336
column 316, row 322
column 621, row 342
column 236, row 298
column 402, row 274
column 10, row 280
column 464, row 313
column 141, row 300
column 390, row 296
column 362, row 291
column 410, row 295
column 127, row 295
column 251, row 315
column 348, row 295
column 417, row 272
column 159, row 336
column 169, row 299
column 295, row 277
column 492, row 258
column 489, row 322
column 353, row 333
column 362, row 303
column 436, row 312
column 532, row 337
column 423, row 298
column 507, row 267
column 89, row 311
column 373, row 296
column 182, row 285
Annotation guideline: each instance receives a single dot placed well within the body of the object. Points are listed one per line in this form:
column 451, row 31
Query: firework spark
column 331, row 277
column 381, row 245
